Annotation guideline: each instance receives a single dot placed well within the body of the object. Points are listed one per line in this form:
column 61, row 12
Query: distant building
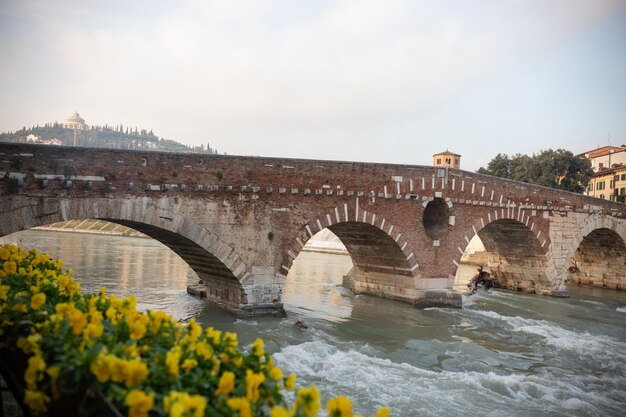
column 609, row 184
column 606, row 157
column 447, row 159
column 76, row 122
column 609, row 179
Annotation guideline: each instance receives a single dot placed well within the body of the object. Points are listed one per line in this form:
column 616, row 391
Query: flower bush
column 145, row 364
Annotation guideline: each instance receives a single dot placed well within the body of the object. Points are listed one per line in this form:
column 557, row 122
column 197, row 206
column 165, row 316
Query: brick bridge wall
column 241, row 221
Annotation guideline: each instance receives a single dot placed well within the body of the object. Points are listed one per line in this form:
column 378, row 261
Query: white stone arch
column 541, row 278
column 345, row 214
column 155, row 214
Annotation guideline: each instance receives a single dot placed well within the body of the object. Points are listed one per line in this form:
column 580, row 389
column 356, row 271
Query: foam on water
column 621, row 309
column 583, row 343
column 372, row 381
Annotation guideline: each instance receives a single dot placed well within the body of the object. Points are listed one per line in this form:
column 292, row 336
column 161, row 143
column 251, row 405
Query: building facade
column 609, row 179
column 447, row 159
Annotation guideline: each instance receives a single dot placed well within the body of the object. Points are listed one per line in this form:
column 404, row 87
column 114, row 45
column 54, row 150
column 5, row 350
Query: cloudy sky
column 381, row 81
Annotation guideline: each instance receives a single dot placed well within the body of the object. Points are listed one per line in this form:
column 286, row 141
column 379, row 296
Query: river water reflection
column 502, row 354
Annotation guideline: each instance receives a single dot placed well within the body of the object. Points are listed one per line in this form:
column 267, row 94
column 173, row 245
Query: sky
column 355, row 80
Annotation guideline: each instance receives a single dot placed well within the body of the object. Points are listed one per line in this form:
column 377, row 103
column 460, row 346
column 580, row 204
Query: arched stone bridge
column 240, row 222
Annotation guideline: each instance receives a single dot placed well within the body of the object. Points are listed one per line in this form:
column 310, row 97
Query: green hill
column 105, row 136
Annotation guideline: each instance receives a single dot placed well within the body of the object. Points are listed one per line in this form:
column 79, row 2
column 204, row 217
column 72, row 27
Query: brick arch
column 355, row 228
column 518, row 258
column 205, row 253
column 598, row 254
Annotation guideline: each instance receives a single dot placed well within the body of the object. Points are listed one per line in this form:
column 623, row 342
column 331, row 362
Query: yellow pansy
column 241, row 405
column 36, row 401
column 276, row 374
column 226, row 383
column 308, row 400
column 139, row 403
column 280, row 412
column 9, row 267
column 172, row 361
column 253, row 381
column 290, row 382
column 37, row 301
column 383, row 412
column 339, row 407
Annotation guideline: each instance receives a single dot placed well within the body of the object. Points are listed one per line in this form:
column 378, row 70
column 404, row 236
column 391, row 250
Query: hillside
column 106, row 136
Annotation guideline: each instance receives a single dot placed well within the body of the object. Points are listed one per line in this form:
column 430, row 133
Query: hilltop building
column 447, row 159
column 76, row 122
column 609, row 179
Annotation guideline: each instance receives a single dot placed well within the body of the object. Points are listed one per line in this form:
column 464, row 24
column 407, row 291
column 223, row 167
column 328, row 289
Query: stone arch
column 597, row 256
column 384, row 261
column 366, row 236
column 217, row 264
column 513, row 255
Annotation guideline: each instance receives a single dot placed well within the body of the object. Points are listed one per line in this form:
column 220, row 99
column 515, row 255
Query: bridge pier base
column 403, row 288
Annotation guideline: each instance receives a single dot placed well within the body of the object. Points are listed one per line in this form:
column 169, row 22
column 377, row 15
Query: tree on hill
column 551, row 168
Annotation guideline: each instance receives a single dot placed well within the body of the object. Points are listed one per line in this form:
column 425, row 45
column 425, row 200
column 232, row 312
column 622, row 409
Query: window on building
column 600, row 185
column 456, row 162
column 623, row 177
column 590, row 186
column 602, row 196
column 611, row 184
column 438, row 161
column 616, row 178
column 611, row 197
column 622, row 191
column 447, row 161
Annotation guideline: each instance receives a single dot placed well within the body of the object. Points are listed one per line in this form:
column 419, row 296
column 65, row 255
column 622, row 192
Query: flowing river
column 503, row 354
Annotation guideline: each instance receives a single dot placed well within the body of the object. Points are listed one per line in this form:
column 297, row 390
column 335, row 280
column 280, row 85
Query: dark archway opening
column 600, row 261
column 436, row 218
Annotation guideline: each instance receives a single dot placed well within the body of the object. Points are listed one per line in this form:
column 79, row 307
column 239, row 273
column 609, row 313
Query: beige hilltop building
column 447, row 159
column 76, row 122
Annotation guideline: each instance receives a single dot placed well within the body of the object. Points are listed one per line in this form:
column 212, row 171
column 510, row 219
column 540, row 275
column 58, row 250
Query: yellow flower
column 20, row 308
column 93, row 330
column 240, row 404
column 172, row 360
column 64, row 309
column 230, row 339
column 179, row 404
column 5, row 252
column 383, row 412
column 308, row 400
column 136, row 371
column 276, row 374
column 189, row 364
column 257, row 348
column 139, row 403
column 279, row 412
column 226, row 384
column 53, row 372
column 78, row 320
column 137, row 323
column 290, row 382
column 4, row 292
column 9, row 267
column 101, row 367
column 195, row 330
column 37, row 301
column 253, row 381
column 339, row 407
column 29, row 344
column 35, row 365
column 111, row 314
column 203, row 350
column 36, row 401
